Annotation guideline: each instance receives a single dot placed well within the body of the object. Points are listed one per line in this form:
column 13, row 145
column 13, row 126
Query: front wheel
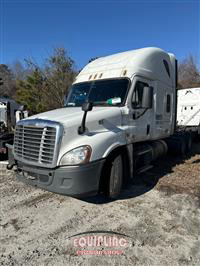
column 115, row 178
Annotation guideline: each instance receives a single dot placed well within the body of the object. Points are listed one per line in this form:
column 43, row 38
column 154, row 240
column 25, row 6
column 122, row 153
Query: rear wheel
column 115, row 177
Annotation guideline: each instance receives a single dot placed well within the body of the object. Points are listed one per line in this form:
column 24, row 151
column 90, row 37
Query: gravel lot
column 160, row 213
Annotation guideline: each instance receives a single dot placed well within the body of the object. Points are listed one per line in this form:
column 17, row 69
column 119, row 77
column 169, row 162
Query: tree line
column 39, row 88
column 42, row 88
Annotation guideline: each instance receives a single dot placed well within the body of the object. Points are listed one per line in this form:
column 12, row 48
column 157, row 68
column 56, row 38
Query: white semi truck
column 119, row 116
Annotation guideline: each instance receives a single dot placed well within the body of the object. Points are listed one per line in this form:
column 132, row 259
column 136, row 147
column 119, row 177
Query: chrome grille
column 36, row 144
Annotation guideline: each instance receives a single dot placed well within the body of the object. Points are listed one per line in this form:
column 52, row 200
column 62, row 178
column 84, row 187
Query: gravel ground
column 159, row 214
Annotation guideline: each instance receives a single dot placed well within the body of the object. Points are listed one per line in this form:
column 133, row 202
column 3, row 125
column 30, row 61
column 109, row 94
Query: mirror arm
column 141, row 114
column 87, row 106
column 82, row 128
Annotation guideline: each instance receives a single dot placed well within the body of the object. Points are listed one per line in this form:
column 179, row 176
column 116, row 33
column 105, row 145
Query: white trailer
column 119, row 116
column 188, row 113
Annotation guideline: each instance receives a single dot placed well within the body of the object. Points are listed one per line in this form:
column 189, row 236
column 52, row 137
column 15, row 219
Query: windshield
column 99, row 92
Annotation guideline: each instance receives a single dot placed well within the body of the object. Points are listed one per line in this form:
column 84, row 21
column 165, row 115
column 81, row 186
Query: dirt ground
column 159, row 214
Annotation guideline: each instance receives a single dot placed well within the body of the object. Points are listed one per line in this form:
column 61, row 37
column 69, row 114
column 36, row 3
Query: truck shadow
column 145, row 182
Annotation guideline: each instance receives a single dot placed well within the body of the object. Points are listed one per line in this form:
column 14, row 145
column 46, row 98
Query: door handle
column 148, row 129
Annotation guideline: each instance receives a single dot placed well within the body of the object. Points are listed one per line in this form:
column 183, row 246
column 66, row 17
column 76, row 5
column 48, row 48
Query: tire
column 115, row 179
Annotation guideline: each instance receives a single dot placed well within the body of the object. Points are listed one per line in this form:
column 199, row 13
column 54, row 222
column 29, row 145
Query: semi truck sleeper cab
column 119, row 113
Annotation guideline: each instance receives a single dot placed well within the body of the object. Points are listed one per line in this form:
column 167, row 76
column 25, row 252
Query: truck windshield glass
column 99, row 92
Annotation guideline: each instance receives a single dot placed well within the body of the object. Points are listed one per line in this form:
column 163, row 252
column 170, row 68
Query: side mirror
column 147, row 98
column 87, row 106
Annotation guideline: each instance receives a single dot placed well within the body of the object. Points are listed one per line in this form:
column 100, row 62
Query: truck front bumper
column 77, row 181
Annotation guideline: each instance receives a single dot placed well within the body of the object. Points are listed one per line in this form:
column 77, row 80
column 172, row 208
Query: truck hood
column 103, row 128
column 71, row 116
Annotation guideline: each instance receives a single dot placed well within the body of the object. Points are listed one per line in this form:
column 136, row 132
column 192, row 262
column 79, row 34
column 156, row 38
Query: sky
column 87, row 29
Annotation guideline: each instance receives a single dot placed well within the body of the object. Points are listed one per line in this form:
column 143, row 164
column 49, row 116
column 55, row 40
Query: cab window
column 138, row 94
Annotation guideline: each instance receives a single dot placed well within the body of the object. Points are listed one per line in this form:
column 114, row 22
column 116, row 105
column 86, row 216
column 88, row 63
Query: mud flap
column 11, row 160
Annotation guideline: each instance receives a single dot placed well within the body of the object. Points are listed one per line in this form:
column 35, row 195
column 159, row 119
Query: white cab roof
column 147, row 62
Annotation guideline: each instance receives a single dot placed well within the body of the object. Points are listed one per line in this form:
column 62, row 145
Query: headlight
column 78, row 155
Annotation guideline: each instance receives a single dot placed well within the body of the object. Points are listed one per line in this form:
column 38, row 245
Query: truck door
column 163, row 111
column 140, row 119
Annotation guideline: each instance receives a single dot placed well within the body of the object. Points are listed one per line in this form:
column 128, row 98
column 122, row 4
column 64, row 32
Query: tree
column 8, row 86
column 45, row 88
column 31, row 93
column 59, row 73
column 189, row 74
column 20, row 72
